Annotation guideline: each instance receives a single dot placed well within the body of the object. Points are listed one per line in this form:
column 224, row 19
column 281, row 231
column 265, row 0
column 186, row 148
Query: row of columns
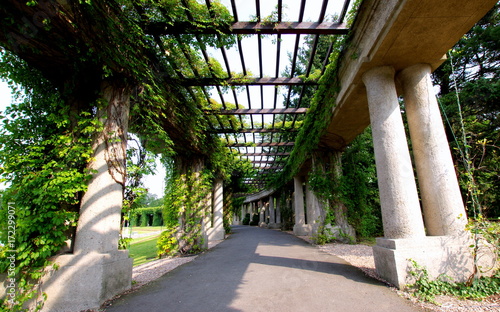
column 435, row 235
column 269, row 211
column 443, row 209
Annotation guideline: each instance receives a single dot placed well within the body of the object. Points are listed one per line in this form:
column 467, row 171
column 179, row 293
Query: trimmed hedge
column 148, row 216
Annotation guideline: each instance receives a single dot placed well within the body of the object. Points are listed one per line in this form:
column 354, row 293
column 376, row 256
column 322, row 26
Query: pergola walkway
column 263, row 270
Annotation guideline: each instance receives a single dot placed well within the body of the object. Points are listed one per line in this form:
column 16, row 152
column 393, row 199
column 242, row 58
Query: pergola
column 268, row 93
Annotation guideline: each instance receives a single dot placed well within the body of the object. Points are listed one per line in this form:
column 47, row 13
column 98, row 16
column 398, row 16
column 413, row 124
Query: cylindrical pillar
column 298, row 201
column 217, row 230
column 444, row 212
column 401, row 214
column 261, row 212
column 278, row 209
column 272, row 218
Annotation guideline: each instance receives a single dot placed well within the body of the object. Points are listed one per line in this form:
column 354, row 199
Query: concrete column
column 266, row 212
column 272, row 216
column 300, row 228
column 262, row 213
column 401, row 214
column 313, row 210
column 97, row 270
column 444, row 212
column 216, row 231
column 278, row 211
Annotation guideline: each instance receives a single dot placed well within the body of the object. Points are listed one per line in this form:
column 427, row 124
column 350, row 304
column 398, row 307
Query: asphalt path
column 263, row 270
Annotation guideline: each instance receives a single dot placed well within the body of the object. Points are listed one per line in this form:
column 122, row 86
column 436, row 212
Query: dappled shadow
column 259, row 270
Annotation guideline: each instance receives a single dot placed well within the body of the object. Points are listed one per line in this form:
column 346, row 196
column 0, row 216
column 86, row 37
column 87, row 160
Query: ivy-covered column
column 216, row 231
column 340, row 209
column 300, row 228
column 444, row 212
column 97, row 270
column 401, row 214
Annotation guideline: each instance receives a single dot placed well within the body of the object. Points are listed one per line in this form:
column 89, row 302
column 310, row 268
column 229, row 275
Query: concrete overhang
column 398, row 33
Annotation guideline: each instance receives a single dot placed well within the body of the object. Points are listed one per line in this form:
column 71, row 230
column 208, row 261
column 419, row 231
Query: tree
column 470, row 99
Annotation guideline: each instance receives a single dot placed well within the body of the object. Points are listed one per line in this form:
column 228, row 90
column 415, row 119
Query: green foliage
column 44, row 150
column 469, row 98
column 123, row 243
column 426, row 289
column 255, row 219
column 320, row 104
column 324, row 236
column 167, row 243
column 246, row 219
column 485, row 232
column 358, row 187
column 186, row 202
column 141, row 216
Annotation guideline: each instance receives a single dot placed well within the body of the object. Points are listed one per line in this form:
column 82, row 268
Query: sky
column 246, row 12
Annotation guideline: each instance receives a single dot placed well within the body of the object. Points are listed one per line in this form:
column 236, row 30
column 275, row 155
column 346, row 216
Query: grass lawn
column 143, row 249
column 144, row 229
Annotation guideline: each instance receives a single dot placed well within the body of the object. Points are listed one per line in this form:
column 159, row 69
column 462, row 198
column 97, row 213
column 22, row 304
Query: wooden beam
column 247, row 28
column 246, row 81
column 301, row 110
column 265, row 154
column 274, row 130
column 261, row 144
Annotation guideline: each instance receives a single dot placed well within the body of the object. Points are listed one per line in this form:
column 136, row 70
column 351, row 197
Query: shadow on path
column 263, row 270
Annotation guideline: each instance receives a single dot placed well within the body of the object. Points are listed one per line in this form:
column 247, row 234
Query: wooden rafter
column 274, row 130
column 247, row 81
column 248, row 28
column 301, row 110
column 264, row 144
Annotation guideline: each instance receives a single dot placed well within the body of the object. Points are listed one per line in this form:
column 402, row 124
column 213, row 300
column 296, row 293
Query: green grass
column 144, row 229
column 143, row 250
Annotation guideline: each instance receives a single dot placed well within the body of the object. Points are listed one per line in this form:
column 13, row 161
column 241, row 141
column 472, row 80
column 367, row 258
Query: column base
column 274, row 225
column 438, row 254
column 302, row 229
column 86, row 281
column 215, row 234
column 263, row 225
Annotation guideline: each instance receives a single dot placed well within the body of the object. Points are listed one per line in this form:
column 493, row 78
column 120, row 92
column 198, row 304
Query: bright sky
column 246, row 12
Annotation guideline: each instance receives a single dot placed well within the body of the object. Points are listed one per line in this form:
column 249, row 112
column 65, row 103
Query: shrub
column 246, row 220
column 167, row 243
column 255, row 220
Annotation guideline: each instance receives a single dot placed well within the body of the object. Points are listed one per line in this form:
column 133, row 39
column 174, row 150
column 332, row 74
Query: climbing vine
column 44, row 150
column 187, row 202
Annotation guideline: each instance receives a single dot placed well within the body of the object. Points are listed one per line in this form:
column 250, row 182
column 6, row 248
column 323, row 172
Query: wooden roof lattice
column 261, row 107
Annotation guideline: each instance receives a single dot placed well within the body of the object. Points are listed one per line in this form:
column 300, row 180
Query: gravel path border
column 361, row 256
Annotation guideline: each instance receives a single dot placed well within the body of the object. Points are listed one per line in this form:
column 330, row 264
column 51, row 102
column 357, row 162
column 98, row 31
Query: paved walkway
column 263, row 270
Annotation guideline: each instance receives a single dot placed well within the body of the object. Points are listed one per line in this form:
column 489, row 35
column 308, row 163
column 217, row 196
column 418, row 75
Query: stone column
column 401, row 214
column 278, row 211
column 313, row 205
column 262, row 213
column 300, row 228
column 444, row 212
column 216, row 232
column 272, row 213
column 97, row 270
